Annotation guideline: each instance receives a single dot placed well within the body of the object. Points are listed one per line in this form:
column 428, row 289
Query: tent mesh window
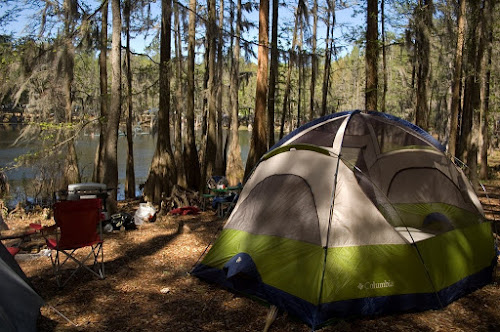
column 285, row 199
column 392, row 136
column 436, row 203
column 323, row 135
column 358, row 146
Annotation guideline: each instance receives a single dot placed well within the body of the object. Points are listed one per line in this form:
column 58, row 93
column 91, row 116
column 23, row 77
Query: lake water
column 144, row 147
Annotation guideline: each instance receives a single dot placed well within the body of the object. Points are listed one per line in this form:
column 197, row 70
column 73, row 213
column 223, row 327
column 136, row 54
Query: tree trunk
column 190, row 152
column 314, row 62
column 162, row 174
column 219, row 158
column 179, row 105
column 384, row 57
column 371, row 56
column 328, row 56
column 259, row 140
column 130, row 172
column 485, row 87
column 71, row 172
column 110, row 148
column 424, row 23
column 470, row 118
column 104, row 97
column 210, row 149
column 300, row 65
column 286, row 96
column 234, row 167
column 204, row 117
column 457, row 82
column 273, row 75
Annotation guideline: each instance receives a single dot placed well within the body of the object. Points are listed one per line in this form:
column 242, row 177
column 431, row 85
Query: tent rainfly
column 354, row 214
column 19, row 303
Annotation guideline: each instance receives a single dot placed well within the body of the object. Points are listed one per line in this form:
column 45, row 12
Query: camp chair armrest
column 44, row 230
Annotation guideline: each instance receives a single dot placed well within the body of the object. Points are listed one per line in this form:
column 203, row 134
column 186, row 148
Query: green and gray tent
column 354, row 214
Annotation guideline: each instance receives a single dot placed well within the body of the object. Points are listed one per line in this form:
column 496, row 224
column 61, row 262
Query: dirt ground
column 148, row 287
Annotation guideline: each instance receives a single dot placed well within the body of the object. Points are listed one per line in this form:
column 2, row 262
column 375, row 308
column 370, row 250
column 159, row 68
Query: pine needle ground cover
column 148, row 287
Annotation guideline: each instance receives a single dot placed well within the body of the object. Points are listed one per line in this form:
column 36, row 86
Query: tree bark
column 328, row 56
column 104, row 96
column 234, row 167
column 314, row 63
column 110, row 149
column 371, row 56
column 259, row 140
column 286, row 96
column 457, row 82
column 273, row 75
column 300, row 66
column 384, row 57
column 424, row 23
column 179, row 105
column 71, row 171
column 190, row 152
column 130, row 171
column 208, row 166
column 219, row 158
column 468, row 147
column 162, row 174
column 485, row 87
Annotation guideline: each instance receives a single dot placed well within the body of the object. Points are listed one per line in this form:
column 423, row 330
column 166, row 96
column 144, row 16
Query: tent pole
column 340, row 137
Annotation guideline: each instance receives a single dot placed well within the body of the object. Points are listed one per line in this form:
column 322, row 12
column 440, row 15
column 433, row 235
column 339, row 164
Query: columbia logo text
column 375, row 285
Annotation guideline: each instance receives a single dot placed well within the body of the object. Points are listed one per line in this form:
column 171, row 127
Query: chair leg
column 55, row 266
column 97, row 267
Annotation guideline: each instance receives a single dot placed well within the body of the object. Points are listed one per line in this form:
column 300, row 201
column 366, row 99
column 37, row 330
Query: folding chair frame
column 97, row 267
column 65, row 254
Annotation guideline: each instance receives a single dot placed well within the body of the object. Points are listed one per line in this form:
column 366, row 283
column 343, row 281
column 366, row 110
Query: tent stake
column 60, row 314
column 271, row 316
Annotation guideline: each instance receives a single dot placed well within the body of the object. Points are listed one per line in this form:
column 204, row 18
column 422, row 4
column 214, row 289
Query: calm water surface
column 86, row 145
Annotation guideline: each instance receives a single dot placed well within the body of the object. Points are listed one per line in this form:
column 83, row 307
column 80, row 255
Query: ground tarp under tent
column 19, row 303
column 354, row 214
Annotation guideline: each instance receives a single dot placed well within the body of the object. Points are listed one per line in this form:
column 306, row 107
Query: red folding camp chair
column 80, row 229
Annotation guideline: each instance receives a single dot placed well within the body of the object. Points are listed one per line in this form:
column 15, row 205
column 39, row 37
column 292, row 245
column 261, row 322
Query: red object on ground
column 185, row 210
column 13, row 250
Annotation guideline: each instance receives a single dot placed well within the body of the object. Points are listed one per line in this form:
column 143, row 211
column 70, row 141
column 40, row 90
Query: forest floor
column 148, row 286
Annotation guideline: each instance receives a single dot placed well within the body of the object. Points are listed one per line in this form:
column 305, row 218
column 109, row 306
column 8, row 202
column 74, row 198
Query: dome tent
column 19, row 303
column 354, row 214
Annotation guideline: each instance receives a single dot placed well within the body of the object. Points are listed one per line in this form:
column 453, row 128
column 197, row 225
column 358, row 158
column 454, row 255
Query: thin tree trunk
column 234, row 167
column 328, row 56
column 130, row 171
column 457, row 82
column 178, row 157
column 371, row 56
column 259, row 140
column 162, row 174
column 314, row 62
column 286, row 96
column 273, row 75
column 190, row 152
column 103, row 88
column 110, row 152
column 300, row 66
column 384, row 57
column 204, row 117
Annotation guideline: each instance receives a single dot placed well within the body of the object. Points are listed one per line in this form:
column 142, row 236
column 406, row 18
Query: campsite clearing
column 147, row 288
